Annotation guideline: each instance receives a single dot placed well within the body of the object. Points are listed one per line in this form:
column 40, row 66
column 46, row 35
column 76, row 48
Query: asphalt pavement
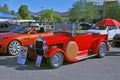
column 107, row 68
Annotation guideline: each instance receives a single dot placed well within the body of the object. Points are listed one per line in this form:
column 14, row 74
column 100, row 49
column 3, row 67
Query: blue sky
column 37, row 5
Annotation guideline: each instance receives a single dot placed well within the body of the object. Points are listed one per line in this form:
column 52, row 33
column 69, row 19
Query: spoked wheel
column 14, row 47
column 56, row 60
column 102, row 50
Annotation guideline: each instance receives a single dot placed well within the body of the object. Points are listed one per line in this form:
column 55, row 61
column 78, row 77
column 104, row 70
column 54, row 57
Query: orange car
column 10, row 42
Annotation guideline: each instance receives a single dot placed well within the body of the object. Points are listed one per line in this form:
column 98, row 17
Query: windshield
column 99, row 27
column 63, row 27
column 21, row 29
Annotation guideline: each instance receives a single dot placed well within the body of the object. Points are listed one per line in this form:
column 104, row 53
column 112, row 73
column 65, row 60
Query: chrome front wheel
column 56, row 60
column 14, row 47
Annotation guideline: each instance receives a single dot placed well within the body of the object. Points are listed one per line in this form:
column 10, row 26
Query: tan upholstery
column 71, row 49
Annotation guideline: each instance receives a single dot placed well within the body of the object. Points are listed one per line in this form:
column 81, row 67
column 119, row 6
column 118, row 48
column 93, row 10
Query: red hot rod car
column 70, row 44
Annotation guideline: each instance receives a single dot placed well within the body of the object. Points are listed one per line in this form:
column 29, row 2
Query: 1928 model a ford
column 69, row 43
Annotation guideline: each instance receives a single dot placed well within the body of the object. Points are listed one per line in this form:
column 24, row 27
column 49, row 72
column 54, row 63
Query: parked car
column 10, row 42
column 68, row 43
column 85, row 25
column 116, row 40
column 6, row 27
column 110, row 30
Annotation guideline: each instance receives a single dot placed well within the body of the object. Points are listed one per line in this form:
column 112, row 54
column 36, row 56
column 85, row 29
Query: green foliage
column 50, row 16
column 65, row 19
column 0, row 8
column 47, row 15
column 58, row 18
column 23, row 12
column 18, row 16
column 113, row 11
column 78, row 13
column 13, row 12
column 91, row 12
column 5, row 8
column 78, row 28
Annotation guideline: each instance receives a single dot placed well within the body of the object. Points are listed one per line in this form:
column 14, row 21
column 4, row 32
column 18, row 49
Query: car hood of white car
column 97, row 31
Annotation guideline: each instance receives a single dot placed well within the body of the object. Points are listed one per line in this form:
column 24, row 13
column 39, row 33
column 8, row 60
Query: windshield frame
column 62, row 27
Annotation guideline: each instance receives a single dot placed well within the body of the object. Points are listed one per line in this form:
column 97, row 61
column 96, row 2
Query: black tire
column 114, row 44
column 56, row 60
column 14, row 47
column 102, row 50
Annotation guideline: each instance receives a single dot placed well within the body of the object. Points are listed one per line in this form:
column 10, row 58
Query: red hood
column 7, row 34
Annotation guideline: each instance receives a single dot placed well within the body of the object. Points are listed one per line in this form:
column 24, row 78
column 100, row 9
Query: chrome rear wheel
column 102, row 50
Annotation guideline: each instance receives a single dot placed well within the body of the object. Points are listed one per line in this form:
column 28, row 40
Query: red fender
column 52, row 51
column 96, row 44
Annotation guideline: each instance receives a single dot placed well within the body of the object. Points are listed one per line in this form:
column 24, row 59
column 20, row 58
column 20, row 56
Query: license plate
column 38, row 61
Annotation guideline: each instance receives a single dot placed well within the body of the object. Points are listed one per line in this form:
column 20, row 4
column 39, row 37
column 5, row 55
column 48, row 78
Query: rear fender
column 96, row 44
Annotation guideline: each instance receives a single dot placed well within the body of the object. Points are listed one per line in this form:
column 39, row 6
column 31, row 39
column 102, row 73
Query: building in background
column 106, row 4
column 101, row 6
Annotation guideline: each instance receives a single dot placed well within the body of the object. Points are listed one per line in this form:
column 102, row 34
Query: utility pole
column 104, row 9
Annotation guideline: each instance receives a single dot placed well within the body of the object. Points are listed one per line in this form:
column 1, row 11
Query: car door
column 112, row 31
column 84, row 41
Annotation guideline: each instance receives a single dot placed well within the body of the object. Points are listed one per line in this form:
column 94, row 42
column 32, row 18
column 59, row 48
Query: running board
column 84, row 57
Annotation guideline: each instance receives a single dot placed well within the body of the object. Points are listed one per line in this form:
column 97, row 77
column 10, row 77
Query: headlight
column 31, row 46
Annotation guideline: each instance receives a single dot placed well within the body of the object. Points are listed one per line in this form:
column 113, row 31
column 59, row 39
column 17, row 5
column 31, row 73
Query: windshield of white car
column 21, row 29
column 99, row 27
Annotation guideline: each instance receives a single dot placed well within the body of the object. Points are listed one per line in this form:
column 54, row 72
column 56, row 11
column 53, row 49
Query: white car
column 110, row 30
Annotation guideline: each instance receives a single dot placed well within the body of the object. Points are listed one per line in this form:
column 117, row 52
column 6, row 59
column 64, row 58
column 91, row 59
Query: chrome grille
column 39, row 47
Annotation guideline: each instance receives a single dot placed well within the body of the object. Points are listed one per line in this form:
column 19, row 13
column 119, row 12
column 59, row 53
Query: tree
column 47, row 15
column 113, row 11
column 23, row 12
column 18, row 16
column 0, row 8
column 57, row 18
column 5, row 8
column 50, row 16
column 65, row 19
column 82, row 11
column 13, row 12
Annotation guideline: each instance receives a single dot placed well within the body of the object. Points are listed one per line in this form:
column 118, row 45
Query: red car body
column 19, row 37
column 69, row 45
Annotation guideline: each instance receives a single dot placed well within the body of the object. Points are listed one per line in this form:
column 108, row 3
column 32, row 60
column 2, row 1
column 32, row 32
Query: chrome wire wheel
column 14, row 47
column 102, row 50
column 56, row 60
